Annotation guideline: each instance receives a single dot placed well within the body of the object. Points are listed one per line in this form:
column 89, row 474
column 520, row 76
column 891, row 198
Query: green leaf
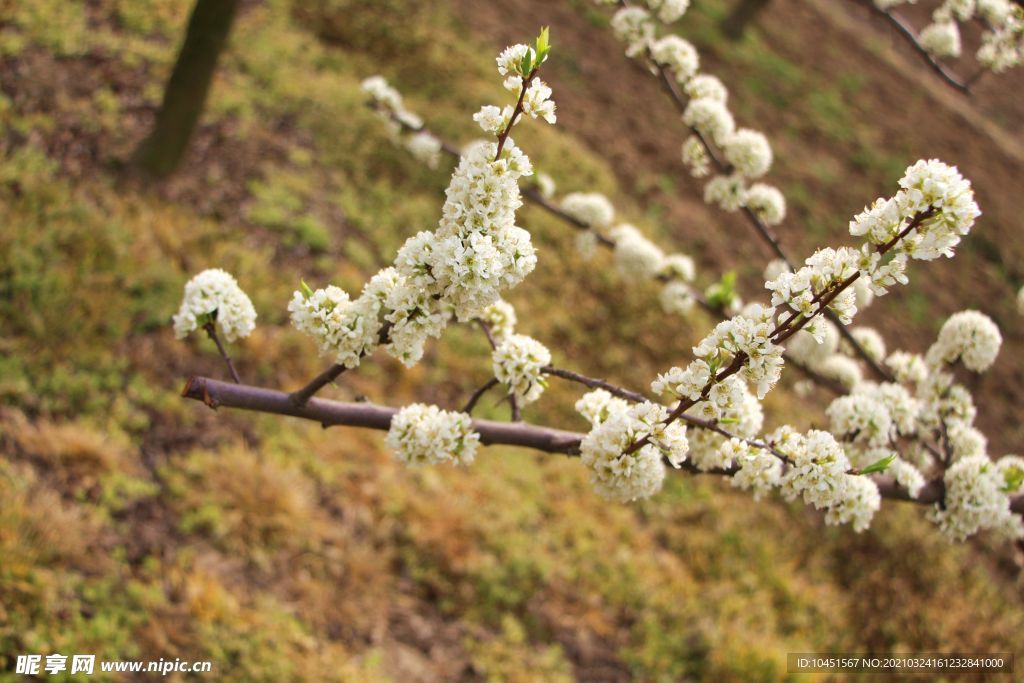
column 526, row 65
column 1014, row 477
column 543, row 45
column 722, row 293
column 879, row 465
column 306, row 291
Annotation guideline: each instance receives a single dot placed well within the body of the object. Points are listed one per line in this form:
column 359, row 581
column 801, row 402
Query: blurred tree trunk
column 742, row 15
column 208, row 27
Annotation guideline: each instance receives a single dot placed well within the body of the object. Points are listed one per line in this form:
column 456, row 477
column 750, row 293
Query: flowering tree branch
column 760, row 227
column 459, row 271
column 216, row 394
column 907, row 33
column 534, row 196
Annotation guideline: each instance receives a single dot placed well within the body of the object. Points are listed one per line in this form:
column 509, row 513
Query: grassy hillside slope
column 135, row 524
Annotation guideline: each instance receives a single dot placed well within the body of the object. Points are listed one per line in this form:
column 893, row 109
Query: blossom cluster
column 924, row 404
column 746, row 154
column 618, row 473
column 636, row 257
column 387, row 102
column 926, row 218
column 819, row 474
column 424, row 434
column 457, row 270
column 213, row 296
column 518, row 363
column 1002, row 42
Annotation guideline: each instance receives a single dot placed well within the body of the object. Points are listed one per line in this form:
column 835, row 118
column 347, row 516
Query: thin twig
column 211, row 331
column 513, row 403
column 478, row 394
column 326, row 377
column 503, row 137
column 903, row 28
column 594, row 383
column 332, row 373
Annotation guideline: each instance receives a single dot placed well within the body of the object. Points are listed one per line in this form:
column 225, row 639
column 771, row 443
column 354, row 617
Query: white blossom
column 677, row 298
column 678, row 267
column 494, row 119
column 635, row 255
column 775, row 268
column 871, row 341
column 537, row 102
column 590, row 208
column 968, row 336
column 669, row 10
column 907, row 476
column 545, row 185
column 710, row 117
column 767, row 202
column 863, row 293
column 678, row 55
column 598, row 405
column 942, row 39
column 860, row 417
column 727, row 191
column 633, row 26
column 424, row 147
column 214, row 296
column 975, row 501
column 620, row 476
column 1011, row 467
column 842, row 369
column 748, row 152
column 501, row 319
column 425, row 434
column 758, row 470
column 389, row 104
column 695, row 157
column 857, row 505
column 813, row 351
column 509, row 65
column 341, row 327
column 518, row 362
column 706, row 86
column 907, row 367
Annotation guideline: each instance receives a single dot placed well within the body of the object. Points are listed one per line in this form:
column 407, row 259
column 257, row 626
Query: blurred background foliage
column 135, row 524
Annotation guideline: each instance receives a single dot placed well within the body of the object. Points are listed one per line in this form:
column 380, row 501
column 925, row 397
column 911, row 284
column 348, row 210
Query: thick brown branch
column 216, row 394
